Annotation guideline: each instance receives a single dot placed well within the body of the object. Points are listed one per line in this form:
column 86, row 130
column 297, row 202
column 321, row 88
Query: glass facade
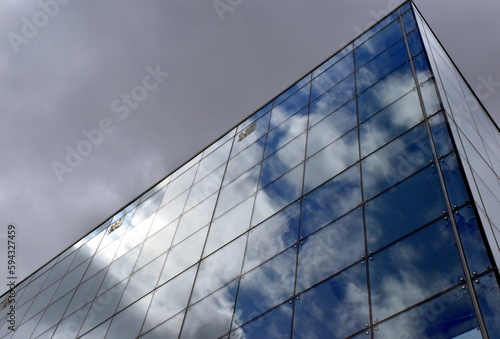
column 362, row 202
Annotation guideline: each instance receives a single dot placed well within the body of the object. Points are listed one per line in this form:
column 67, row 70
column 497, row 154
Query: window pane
column 275, row 324
column 331, row 128
column 52, row 315
column 332, row 100
column 385, row 92
column 170, row 299
column 396, row 161
column 390, row 122
column 332, row 76
column 155, row 245
column 179, row 185
column 226, row 262
column 429, row 95
column 454, row 180
column 331, row 200
column 183, row 255
column 245, row 160
column 440, row 134
column 272, row 236
column 169, row 329
column 472, row 240
column 278, row 194
column 291, row 105
column 230, row 225
column 488, row 294
column 287, row 131
column 283, row 160
column 265, row 287
column 415, row 42
column 194, row 219
column 127, row 324
column 375, row 29
column 169, row 212
column 213, row 160
column 409, row 21
column 211, row 317
column 330, row 250
column 250, row 134
column 424, row 263
column 331, row 160
column 405, row 207
column 381, row 65
column 205, row 187
column 334, row 309
column 422, row 68
column 339, row 55
column 449, row 315
column 379, row 42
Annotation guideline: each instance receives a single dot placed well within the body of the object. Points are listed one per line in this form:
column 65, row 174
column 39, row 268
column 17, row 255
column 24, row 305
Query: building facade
column 362, row 202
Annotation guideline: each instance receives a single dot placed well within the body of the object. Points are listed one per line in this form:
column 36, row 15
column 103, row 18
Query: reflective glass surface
column 336, row 308
column 275, row 324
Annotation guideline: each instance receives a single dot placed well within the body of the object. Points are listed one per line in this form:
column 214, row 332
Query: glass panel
column 127, row 324
column 226, row 262
column 237, row 191
column 59, row 270
column 339, row 55
column 52, row 315
column 251, row 134
column 396, row 161
column 331, row 160
column 334, row 309
column 211, row 317
column 385, row 92
column 85, row 292
column 205, row 187
column 244, row 160
column 102, row 259
column 390, row 122
column 69, row 327
column 143, row 281
column 449, row 315
column 379, row 42
column 332, row 100
column 265, row 287
column 454, row 180
column 213, row 160
column 283, row 160
column 425, row 263
column 331, row 200
column 185, row 254
column 229, row 226
column 405, row 207
column 169, row 329
column 41, row 301
column 260, row 113
column 169, row 212
column 430, row 98
column 98, row 332
column 375, row 29
column 179, row 185
column 332, row 76
column 195, row 218
column 25, row 330
column 32, row 289
column 147, row 208
column 291, row 105
column 170, row 299
column 381, row 65
column 292, row 89
column 272, row 236
column 103, row 307
column 422, row 68
column 415, row 42
column 472, row 240
column 134, row 236
column 155, row 245
column 286, row 131
column 331, row 128
column 488, row 294
column 120, row 269
column 278, row 194
column 70, row 280
column 330, row 250
column 409, row 21
column 440, row 134
column 275, row 324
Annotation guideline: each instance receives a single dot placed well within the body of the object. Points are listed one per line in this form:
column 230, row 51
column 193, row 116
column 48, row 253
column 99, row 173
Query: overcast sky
column 66, row 72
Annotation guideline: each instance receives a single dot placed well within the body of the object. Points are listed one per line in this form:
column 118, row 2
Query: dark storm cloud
column 222, row 65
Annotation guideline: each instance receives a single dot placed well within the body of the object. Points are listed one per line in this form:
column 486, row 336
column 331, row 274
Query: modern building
column 362, row 202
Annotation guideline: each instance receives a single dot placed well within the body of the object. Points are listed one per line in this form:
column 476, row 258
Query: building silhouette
column 362, row 202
